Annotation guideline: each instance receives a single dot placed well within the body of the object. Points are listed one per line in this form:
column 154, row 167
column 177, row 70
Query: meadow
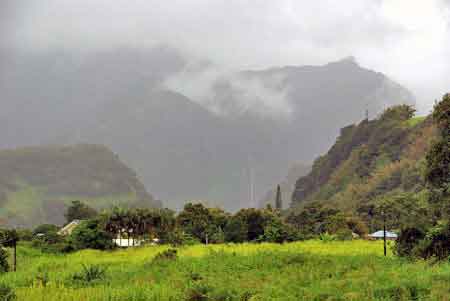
column 310, row 270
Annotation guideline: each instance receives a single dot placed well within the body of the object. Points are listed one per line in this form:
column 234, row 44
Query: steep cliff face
column 37, row 183
column 368, row 160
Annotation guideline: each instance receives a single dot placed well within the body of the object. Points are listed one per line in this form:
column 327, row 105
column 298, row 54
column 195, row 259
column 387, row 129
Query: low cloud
column 226, row 93
column 407, row 40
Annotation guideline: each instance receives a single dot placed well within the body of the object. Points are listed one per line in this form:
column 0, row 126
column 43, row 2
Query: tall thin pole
column 384, row 233
column 15, row 255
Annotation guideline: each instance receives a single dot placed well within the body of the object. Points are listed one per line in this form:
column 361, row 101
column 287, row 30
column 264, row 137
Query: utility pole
column 15, row 255
column 384, row 232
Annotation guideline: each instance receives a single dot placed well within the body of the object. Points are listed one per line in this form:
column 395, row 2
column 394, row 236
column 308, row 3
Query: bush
column 407, row 241
column 235, row 230
column 7, row 293
column 90, row 235
column 326, row 237
column 48, row 238
column 90, row 273
column 59, row 247
column 45, row 228
column 436, row 243
column 170, row 254
column 4, row 265
column 279, row 232
column 344, row 234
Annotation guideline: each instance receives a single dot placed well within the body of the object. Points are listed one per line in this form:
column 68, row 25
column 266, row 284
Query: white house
column 380, row 234
column 127, row 242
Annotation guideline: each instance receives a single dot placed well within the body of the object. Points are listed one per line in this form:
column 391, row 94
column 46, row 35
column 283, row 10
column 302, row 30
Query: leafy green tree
column 164, row 223
column 278, row 232
column 313, row 219
column 399, row 112
column 438, row 158
column 436, row 242
column 201, row 222
column 216, row 235
column 79, row 210
column 407, row 241
column 255, row 220
column 357, row 226
column 235, row 230
column 90, row 234
column 45, row 228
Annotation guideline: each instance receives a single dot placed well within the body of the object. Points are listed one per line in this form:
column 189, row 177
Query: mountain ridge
column 369, row 160
column 181, row 150
column 38, row 183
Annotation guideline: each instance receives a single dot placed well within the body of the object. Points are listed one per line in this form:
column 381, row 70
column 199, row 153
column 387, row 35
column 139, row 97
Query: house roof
column 69, row 227
column 380, row 234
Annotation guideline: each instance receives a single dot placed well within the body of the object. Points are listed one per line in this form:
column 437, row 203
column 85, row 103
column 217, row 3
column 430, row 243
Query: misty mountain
column 38, row 183
column 228, row 149
column 47, row 95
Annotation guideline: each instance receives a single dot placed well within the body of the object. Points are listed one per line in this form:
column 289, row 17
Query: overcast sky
column 409, row 40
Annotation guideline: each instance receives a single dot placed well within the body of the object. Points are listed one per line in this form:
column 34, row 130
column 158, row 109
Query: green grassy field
column 311, row 270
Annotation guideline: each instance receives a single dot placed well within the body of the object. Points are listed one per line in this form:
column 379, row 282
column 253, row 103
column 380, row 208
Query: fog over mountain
column 212, row 100
column 227, row 146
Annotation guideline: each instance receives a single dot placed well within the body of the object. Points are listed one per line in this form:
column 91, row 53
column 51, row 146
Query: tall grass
column 311, row 270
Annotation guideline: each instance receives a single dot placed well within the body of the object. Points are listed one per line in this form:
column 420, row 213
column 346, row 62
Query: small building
column 380, row 235
column 68, row 229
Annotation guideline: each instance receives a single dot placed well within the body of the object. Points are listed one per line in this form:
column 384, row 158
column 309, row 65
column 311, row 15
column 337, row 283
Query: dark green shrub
column 407, row 240
column 4, row 265
column 408, row 291
column 199, row 292
column 45, row 228
column 46, row 237
column 277, row 231
column 167, row 255
column 194, row 276
column 235, row 230
column 7, row 293
column 90, row 273
column 436, row 243
column 326, row 237
column 299, row 259
column 344, row 234
column 90, row 235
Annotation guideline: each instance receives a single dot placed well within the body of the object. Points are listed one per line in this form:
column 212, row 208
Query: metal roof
column 380, row 234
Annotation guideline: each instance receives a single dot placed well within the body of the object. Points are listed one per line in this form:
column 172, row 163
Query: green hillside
column 369, row 161
column 37, row 183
